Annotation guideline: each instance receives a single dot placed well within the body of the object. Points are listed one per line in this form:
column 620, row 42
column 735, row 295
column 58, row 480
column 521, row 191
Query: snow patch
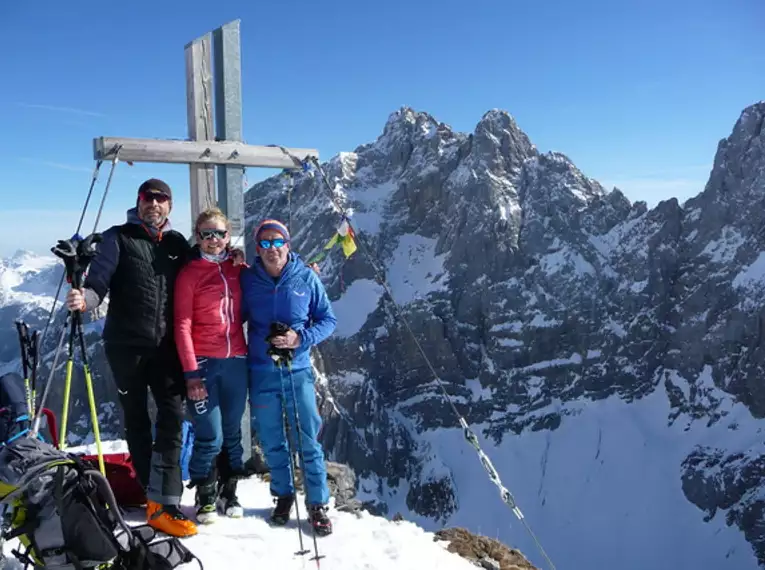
column 566, row 259
column 751, row 275
column 575, row 358
column 479, row 392
column 724, row 250
column 369, row 201
column 416, row 270
column 352, row 310
column 541, row 321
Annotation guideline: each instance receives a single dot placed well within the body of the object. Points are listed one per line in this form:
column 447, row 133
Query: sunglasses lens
column 149, row 196
column 267, row 243
column 209, row 234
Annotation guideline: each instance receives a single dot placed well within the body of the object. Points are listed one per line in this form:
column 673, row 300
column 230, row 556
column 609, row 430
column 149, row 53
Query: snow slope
column 29, row 280
column 605, row 483
column 360, row 541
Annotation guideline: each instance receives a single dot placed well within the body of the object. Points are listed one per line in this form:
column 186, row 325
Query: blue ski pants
column 268, row 391
column 217, row 419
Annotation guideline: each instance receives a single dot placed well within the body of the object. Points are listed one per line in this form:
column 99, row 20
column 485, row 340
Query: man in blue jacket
column 280, row 290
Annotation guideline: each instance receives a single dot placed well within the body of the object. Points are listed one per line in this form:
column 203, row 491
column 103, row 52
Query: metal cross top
column 207, row 149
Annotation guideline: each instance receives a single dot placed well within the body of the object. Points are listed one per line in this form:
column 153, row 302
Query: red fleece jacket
column 208, row 319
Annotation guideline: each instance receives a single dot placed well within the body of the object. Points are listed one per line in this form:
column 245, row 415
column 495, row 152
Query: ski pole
column 299, row 438
column 67, row 381
column 54, row 365
column 291, row 450
column 25, row 343
column 35, row 349
column 91, row 396
column 84, row 250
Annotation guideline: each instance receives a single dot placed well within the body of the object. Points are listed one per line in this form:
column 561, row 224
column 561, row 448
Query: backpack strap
column 108, row 494
column 163, row 554
column 146, row 553
column 58, row 497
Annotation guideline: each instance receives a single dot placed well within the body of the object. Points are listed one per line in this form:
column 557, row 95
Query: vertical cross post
column 199, row 102
column 228, row 123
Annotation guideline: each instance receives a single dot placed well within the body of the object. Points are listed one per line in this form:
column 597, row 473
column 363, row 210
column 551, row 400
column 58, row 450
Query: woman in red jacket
column 213, row 351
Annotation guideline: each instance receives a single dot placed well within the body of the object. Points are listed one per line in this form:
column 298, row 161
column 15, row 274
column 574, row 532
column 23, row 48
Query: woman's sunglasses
column 209, row 234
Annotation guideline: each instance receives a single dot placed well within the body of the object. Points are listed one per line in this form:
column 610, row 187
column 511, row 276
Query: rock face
column 484, row 552
column 608, row 356
column 550, row 310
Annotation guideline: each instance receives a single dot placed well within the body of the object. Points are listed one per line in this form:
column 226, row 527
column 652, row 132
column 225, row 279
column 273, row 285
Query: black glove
column 276, row 353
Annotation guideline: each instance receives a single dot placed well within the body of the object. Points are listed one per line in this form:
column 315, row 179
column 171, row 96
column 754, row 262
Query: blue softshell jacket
column 296, row 298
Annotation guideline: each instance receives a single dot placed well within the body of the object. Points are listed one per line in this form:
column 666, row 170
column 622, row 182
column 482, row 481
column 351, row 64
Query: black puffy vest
column 141, row 289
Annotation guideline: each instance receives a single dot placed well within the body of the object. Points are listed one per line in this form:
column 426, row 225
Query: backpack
column 65, row 516
column 14, row 419
column 14, row 415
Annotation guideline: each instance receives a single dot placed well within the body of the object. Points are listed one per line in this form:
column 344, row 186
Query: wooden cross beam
column 209, row 148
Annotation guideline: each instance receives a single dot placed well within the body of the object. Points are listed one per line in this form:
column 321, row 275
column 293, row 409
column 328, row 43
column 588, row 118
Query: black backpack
column 64, row 514
column 14, row 416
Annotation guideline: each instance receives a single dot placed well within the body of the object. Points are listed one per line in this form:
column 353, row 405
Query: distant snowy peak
column 738, row 175
column 29, row 279
column 500, row 143
column 25, row 260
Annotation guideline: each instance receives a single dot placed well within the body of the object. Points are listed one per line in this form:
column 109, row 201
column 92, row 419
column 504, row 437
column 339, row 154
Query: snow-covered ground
column 360, row 542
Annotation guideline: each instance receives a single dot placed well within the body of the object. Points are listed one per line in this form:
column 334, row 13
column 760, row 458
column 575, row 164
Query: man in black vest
column 137, row 263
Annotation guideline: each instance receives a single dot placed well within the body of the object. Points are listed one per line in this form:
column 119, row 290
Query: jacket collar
column 291, row 267
column 155, row 233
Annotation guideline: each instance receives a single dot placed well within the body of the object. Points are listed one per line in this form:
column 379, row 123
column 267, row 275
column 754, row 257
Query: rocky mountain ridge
column 606, row 354
column 537, row 294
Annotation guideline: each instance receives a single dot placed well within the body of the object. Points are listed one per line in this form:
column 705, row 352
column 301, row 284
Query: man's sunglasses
column 209, row 234
column 267, row 243
column 149, row 196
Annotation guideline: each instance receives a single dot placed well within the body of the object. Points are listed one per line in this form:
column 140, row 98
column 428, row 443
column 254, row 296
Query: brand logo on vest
column 201, row 407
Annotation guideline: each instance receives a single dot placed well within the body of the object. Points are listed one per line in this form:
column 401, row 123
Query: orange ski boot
column 169, row 519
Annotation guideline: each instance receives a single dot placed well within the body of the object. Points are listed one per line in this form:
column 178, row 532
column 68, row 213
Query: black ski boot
column 317, row 516
column 228, row 501
column 281, row 513
column 207, row 493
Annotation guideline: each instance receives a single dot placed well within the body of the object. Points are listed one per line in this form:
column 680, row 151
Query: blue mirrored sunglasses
column 267, row 243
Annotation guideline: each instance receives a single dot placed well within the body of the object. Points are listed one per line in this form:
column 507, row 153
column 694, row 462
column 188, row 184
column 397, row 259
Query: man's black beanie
column 156, row 185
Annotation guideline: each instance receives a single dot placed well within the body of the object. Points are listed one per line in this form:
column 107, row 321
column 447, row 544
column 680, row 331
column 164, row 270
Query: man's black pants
column 135, row 371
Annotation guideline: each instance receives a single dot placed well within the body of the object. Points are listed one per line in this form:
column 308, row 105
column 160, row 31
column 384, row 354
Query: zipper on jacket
column 155, row 247
column 225, row 311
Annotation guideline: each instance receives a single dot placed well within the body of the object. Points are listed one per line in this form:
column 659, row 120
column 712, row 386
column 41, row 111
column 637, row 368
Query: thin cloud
column 57, row 109
column 59, row 165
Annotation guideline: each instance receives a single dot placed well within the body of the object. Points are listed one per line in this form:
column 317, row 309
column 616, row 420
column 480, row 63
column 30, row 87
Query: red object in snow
column 122, row 478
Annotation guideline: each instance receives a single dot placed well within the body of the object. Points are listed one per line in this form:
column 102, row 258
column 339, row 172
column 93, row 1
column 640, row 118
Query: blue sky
column 637, row 96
